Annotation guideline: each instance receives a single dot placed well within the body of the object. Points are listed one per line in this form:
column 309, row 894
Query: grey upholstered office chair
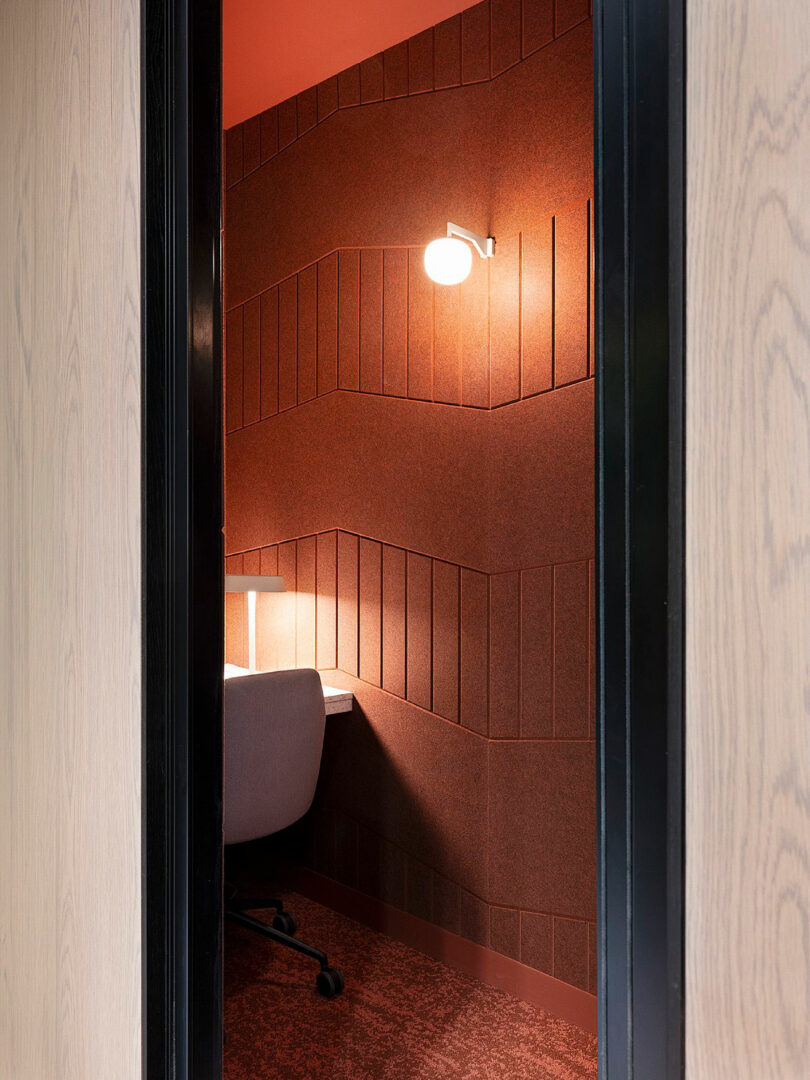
column 274, row 725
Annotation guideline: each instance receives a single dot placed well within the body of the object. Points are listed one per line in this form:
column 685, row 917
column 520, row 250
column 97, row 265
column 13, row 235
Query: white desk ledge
column 334, row 700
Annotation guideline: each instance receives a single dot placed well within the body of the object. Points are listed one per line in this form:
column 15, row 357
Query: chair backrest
column 274, row 725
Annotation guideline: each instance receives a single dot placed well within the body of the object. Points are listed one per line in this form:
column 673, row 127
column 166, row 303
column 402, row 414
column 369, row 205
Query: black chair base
column 329, row 981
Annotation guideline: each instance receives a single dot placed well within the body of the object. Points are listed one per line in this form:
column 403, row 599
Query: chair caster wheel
column 285, row 923
column 329, row 982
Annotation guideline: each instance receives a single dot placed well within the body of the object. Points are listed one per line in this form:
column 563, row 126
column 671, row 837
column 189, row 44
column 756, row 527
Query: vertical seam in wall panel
column 405, row 631
column 588, row 311
column 242, row 330
column 317, row 394
column 554, row 652
column 554, row 300
column 458, row 624
column 297, row 331
column 357, row 590
column 432, row 602
column 520, row 303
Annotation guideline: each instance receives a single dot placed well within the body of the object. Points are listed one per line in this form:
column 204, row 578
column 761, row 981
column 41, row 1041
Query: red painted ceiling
column 273, row 49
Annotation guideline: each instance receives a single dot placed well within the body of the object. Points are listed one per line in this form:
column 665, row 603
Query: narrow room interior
column 409, row 512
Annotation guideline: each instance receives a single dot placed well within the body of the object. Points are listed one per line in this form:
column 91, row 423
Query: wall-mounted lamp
column 251, row 584
column 448, row 261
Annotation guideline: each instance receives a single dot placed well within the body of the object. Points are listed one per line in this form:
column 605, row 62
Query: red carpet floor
column 402, row 1015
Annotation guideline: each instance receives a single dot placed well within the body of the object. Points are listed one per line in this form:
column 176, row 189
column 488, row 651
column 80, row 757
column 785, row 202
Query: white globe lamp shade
column 448, row 261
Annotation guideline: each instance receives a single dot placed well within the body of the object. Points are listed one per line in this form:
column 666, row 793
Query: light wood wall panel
column 748, row 542
column 70, row 630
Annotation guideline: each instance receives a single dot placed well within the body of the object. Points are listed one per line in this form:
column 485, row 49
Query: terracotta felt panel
column 549, row 862
column 349, row 87
column 445, row 639
column 268, row 133
column 395, row 321
column 347, row 585
column 349, row 319
column 475, row 39
column 537, row 614
column 420, row 890
column 326, row 592
column 475, row 336
column 307, row 333
column 305, row 602
column 571, row 295
column 420, row 62
column 593, row 970
column 371, row 321
column 251, row 144
column 569, row 13
column 234, row 161
column 327, row 97
column 288, row 343
column 446, row 359
column 536, row 941
column 420, row 327
column 571, row 637
column 538, row 24
column 277, row 629
column 287, row 122
column 505, row 321
column 268, row 562
column 395, row 66
column 393, row 620
column 591, row 649
column 346, row 850
column 537, row 309
column 269, row 353
column 370, row 611
column 233, row 369
column 327, row 323
column 474, row 918
column 506, row 34
column 252, row 361
column 445, row 903
column 504, row 931
column 371, row 79
column 571, row 952
column 474, row 644
column 236, row 642
column 447, row 53
column 591, row 294
column 419, row 632
column 382, row 868
column 307, row 105
column 504, row 656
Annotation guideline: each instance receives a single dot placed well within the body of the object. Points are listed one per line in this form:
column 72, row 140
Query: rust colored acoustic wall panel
column 395, row 70
column 393, row 620
column 233, row 369
column 506, row 34
column 326, row 596
column 252, row 361
column 268, row 133
column 536, row 644
column 538, row 24
column 305, row 602
column 327, row 323
column 349, row 87
column 371, row 79
column 446, row 341
column 371, row 612
column 505, row 322
column 571, row 636
column 568, row 13
column 420, row 328
column 475, row 43
column 591, row 649
column 571, row 288
column 349, row 320
column 327, row 98
column 269, row 353
column 287, row 123
column 251, row 144
column 234, row 160
column 474, row 645
column 307, row 334
column 420, row 63
column 276, row 620
column 288, row 343
column 395, row 322
column 445, row 640
column 307, row 110
column 537, row 315
column 504, row 656
column 236, row 643
column 419, row 603
column 475, row 336
column 347, row 592
column 447, row 53
column 371, row 321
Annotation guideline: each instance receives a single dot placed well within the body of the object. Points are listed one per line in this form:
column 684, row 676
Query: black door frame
column 639, row 228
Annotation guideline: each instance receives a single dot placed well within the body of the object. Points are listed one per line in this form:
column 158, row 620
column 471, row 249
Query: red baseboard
column 559, row 998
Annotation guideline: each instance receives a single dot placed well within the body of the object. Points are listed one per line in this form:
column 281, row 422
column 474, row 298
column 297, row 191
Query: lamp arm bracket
column 484, row 245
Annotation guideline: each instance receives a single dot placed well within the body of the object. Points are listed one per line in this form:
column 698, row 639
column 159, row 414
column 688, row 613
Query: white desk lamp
column 251, row 584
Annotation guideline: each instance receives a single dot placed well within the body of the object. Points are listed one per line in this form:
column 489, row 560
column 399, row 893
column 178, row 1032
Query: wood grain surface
column 70, row 633
column 748, row 541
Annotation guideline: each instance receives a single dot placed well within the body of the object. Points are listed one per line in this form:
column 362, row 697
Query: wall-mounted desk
column 334, row 700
